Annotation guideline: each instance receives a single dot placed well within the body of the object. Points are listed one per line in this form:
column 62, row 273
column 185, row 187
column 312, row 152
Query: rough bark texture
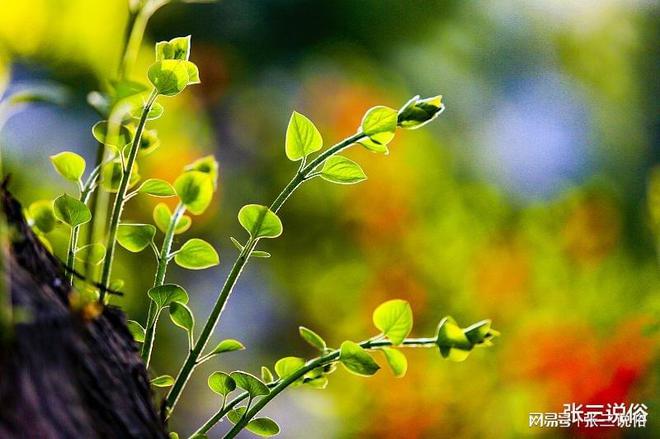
column 64, row 375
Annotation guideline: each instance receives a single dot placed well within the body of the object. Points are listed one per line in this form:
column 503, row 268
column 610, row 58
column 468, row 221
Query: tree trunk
column 64, row 373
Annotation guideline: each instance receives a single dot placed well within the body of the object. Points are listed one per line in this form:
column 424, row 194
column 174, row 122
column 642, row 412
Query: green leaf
column 136, row 330
column 166, row 294
column 155, row 112
column 207, row 165
column 302, row 137
column 171, row 76
column 176, row 48
column 221, row 383
column 71, row 211
column 162, row 217
column 163, row 381
column 250, row 384
column 320, row 382
column 452, row 341
column 288, row 365
column 237, row 244
column 338, row 169
column 195, row 189
column 117, row 140
column 112, row 173
column 260, row 221
column 69, row 165
column 312, row 338
column 379, row 124
column 235, row 415
column 196, row 254
column 266, row 375
column 181, row 316
column 149, row 142
column 42, row 215
column 480, row 332
column 94, row 253
column 259, row 254
column 264, row 427
column 394, row 318
column 357, row 360
column 397, row 361
column 228, row 345
column 418, row 112
column 135, row 237
column 374, row 147
column 157, row 188
column 174, row 435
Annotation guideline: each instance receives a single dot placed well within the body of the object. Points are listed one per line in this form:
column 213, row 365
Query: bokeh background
column 529, row 201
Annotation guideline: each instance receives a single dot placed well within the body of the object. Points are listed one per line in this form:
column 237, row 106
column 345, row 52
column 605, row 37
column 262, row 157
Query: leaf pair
column 455, row 343
column 172, row 72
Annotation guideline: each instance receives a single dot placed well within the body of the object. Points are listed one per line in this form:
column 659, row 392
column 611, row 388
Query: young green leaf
column 69, row 165
column 356, row 359
column 288, row 365
column 379, row 124
column 155, row 112
column 339, row 169
column 163, row 381
column 196, row 254
column 162, row 217
column 181, row 316
column 195, row 189
column 259, row 254
column 207, row 165
column 264, row 427
column 175, row 435
column 94, row 253
column 166, row 294
column 374, row 147
column 42, row 215
column 452, row 341
column 117, row 140
column 171, row 76
column 260, row 221
column 157, row 188
column 479, row 332
column 136, row 330
column 234, row 416
column 135, row 237
column 394, row 318
column 149, row 142
column 228, row 345
column 418, row 112
column 112, row 173
column 397, row 361
column 302, row 137
column 71, row 211
column 176, row 48
column 250, row 383
column 266, row 375
column 221, row 383
column 312, row 338
column 237, row 244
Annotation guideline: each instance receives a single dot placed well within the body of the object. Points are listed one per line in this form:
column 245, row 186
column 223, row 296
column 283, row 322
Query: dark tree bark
column 65, row 373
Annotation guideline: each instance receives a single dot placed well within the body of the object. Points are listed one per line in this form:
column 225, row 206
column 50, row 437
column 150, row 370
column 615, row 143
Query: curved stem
column 119, row 198
column 323, row 360
column 163, row 260
column 191, row 360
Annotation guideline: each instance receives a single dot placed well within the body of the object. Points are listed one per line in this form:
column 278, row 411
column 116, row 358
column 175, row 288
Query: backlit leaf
column 250, row 383
column 196, row 254
column 195, row 189
column 156, row 188
column 379, row 124
column 181, row 316
column 221, row 383
column 163, row 381
column 71, row 211
column 260, row 221
column 136, row 330
column 357, row 360
column 312, row 338
column 135, row 237
column 338, row 169
column 69, row 165
column 397, row 361
column 166, row 294
column 302, row 137
column 394, row 318
column 288, row 365
column 42, row 215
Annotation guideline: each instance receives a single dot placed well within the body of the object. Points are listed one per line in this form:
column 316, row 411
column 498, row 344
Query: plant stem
column 323, row 360
column 85, row 193
column 135, row 28
column 121, row 193
column 163, row 260
column 193, row 355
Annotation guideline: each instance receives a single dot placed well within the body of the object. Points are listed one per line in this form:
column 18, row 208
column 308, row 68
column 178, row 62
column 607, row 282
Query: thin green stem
column 119, row 198
column 86, row 191
column 323, row 360
column 161, row 270
column 192, row 359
